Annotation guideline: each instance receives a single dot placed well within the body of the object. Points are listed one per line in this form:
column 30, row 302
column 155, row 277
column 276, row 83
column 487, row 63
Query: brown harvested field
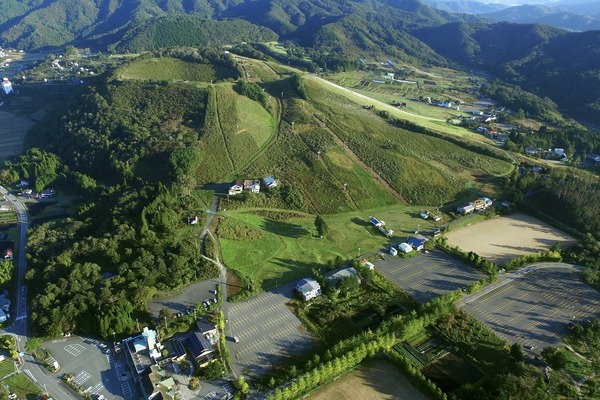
column 375, row 380
column 503, row 238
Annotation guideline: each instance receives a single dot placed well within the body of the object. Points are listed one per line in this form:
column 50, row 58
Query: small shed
column 405, row 248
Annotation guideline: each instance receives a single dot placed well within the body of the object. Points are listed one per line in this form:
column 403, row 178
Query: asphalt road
column 30, row 366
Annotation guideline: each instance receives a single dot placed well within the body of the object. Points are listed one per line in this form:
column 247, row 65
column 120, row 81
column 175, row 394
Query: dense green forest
column 131, row 149
column 186, row 30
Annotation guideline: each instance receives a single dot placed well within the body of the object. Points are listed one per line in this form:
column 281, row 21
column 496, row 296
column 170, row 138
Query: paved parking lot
column 534, row 308
column 267, row 331
column 93, row 366
column 191, row 295
column 427, row 276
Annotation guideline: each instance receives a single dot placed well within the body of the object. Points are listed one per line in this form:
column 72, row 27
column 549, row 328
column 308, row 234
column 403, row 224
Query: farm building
column 308, row 288
column 270, row 182
column 467, row 209
column 405, row 248
column 235, row 188
column 335, row 276
column 417, row 242
column 252, row 185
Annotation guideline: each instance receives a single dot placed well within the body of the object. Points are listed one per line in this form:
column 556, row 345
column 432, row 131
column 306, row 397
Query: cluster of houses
column 252, row 185
column 478, row 204
column 146, row 357
column 309, row 288
column 440, row 103
column 550, row 154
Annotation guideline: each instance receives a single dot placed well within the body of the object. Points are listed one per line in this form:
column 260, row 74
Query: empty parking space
column 534, row 309
column 267, row 331
column 81, row 378
column 74, row 349
column 427, row 276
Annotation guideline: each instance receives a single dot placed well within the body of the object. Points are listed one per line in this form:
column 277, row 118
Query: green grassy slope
column 424, row 169
column 172, row 69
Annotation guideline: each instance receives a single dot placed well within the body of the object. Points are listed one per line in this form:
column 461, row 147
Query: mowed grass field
column 503, row 238
column 375, row 380
column 289, row 249
column 172, row 69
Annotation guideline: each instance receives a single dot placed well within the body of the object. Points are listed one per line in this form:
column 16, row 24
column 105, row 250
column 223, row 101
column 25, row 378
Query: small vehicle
column 236, row 339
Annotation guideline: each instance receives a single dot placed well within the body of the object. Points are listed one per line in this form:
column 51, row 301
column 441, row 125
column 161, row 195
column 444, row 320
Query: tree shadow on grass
column 283, row 228
column 360, row 221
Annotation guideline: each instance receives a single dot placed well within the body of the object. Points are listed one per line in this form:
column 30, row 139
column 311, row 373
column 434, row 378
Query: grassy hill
column 172, row 69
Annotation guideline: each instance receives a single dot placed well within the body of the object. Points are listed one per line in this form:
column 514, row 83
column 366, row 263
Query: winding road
column 35, row 370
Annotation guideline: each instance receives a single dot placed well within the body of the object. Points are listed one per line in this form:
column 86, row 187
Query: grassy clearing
column 23, row 387
column 6, row 367
column 289, row 249
column 172, row 69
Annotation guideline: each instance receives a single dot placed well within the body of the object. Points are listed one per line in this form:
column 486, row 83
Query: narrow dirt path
column 323, row 123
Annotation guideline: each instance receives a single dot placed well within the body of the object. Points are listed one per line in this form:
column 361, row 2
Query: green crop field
column 22, row 386
column 172, row 69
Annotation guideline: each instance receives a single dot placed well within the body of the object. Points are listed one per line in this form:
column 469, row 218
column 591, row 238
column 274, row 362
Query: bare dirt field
column 503, row 238
column 376, row 380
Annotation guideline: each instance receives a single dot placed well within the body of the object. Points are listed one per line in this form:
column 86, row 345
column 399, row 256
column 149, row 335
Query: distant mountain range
column 575, row 16
column 547, row 61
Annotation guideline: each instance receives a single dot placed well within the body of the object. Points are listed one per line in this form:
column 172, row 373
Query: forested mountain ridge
column 544, row 60
column 547, row 61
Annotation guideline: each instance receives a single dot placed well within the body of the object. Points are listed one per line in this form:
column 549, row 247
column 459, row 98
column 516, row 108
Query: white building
column 7, row 86
column 308, row 288
column 405, row 248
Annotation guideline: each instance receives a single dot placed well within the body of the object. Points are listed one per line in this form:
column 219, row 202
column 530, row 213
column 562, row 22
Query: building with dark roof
column 199, row 347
